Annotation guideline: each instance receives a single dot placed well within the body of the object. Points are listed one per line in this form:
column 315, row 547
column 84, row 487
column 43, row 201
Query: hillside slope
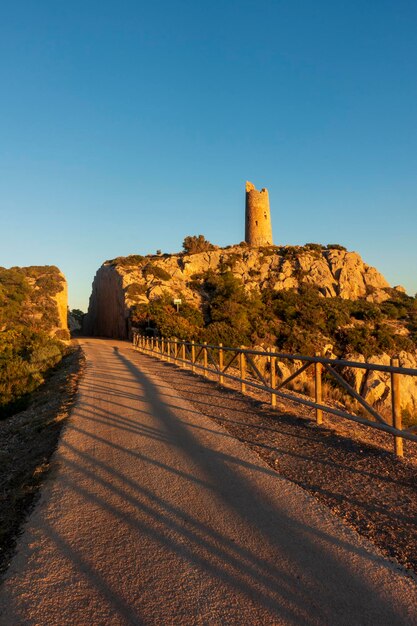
column 33, row 326
column 125, row 282
column 294, row 299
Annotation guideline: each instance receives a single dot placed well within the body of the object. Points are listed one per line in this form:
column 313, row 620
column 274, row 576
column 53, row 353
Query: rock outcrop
column 375, row 387
column 109, row 308
column 124, row 282
column 372, row 385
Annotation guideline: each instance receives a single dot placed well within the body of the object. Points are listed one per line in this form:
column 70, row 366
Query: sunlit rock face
column 61, row 299
column 125, row 282
column 375, row 387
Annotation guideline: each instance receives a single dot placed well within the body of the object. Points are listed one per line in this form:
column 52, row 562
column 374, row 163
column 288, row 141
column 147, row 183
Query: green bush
column 296, row 321
column 316, row 247
column 24, row 361
column 335, row 246
column 154, row 270
column 196, row 243
column 366, row 311
column 134, row 290
column 28, row 318
column 222, row 332
column 126, row 261
column 290, row 253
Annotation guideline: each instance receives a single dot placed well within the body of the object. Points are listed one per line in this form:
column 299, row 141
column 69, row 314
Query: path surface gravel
column 155, row 514
column 348, row 467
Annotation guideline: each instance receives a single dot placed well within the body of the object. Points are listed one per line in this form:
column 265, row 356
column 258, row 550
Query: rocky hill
column 295, row 299
column 33, row 325
column 123, row 283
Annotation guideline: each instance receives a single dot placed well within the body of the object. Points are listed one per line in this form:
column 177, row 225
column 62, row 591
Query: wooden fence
column 222, row 361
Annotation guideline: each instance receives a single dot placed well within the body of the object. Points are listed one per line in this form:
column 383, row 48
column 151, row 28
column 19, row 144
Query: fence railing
column 222, row 361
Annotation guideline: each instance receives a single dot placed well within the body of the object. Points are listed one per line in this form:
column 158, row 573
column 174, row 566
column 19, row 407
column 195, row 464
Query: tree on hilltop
column 196, row 243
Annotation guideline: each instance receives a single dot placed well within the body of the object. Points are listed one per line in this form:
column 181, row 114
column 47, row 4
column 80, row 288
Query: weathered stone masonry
column 258, row 228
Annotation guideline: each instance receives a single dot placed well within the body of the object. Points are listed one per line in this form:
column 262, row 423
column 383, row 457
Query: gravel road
column 155, row 514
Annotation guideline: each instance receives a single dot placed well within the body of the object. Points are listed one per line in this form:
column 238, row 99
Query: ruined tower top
column 258, row 228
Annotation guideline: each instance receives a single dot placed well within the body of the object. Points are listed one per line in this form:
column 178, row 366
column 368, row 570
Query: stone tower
column 258, row 228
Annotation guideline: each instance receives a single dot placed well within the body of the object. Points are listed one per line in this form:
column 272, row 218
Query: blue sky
column 125, row 126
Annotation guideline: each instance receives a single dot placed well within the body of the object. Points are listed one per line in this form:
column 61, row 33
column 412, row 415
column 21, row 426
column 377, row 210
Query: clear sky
column 125, row 126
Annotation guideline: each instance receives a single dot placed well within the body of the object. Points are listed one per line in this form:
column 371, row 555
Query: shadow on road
column 218, row 525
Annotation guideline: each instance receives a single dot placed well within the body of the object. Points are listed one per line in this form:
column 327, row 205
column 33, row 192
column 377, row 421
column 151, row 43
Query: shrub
column 297, row 321
column 126, row 261
column 196, row 243
column 24, row 361
column 316, row 247
column 228, row 262
column 268, row 250
column 28, row 316
column 78, row 315
column 135, row 290
column 363, row 310
column 335, row 246
column 154, row 270
column 290, row 253
column 222, row 332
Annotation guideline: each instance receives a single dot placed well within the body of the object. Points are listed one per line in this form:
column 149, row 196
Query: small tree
column 196, row 243
column 78, row 315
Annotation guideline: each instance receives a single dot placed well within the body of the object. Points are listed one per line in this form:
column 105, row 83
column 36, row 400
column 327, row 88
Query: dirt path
column 156, row 515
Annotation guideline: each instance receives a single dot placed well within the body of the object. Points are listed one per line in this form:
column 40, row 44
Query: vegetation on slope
column 27, row 441
column 30, row 339
column 297, row 321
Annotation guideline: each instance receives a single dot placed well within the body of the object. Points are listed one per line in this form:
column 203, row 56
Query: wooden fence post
column 205, row 358
column 183, row 355
column 221, row 364
column 318, row 368
column 192, row 356
column 273, row 379
column 396, row 406
column 242, row 364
